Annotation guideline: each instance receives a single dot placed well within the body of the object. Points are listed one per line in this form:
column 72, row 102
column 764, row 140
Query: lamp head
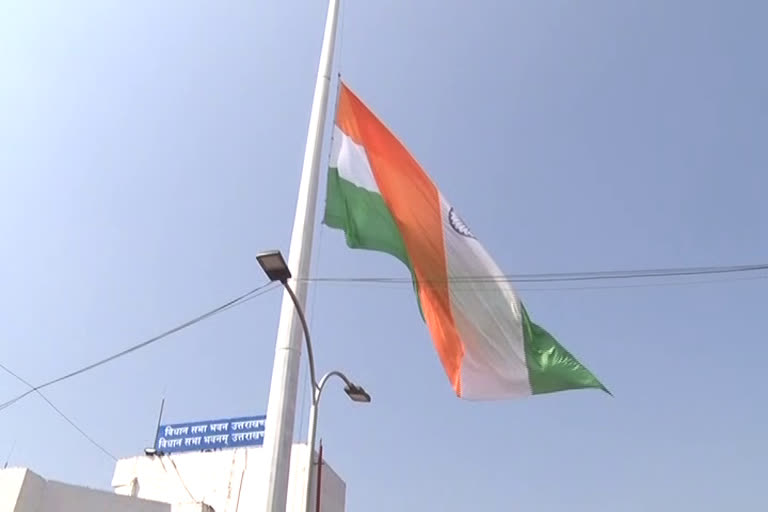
column 274, row 266
column 357, row 393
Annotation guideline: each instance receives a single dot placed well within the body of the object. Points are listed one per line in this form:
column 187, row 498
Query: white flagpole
column 281, row 410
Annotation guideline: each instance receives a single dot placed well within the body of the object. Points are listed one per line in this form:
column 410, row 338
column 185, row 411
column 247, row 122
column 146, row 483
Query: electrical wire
column 229, row 480
column 242, row 477
column 266, row 289
column 516, row 278
column 60, row 413
column 536, row 288
column 181, row 480
column 558, row 277
column 227, row 305
column 646, row 285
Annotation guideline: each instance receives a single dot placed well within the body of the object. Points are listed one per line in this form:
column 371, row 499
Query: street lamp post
column 355, row 393
column 274, row 266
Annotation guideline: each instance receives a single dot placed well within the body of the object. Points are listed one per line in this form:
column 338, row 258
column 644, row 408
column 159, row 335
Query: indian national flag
column 383, row 200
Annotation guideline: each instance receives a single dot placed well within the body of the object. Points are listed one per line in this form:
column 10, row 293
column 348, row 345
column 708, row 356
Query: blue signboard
column 211, row 435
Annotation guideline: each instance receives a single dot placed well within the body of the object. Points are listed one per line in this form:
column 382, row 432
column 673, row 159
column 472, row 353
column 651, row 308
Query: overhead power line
column 59, row 412
column 553, row 277
column 227, row 305
column 621, row 285
column 559, row 277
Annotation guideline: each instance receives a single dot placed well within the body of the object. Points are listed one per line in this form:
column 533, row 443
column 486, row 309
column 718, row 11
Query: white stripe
column 488, row 318
column 352, row 162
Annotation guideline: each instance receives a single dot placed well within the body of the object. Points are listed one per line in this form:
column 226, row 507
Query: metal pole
column 305, row 328
column 281, row 409
column 307, row 505
column 159, row 421
column 319, row 475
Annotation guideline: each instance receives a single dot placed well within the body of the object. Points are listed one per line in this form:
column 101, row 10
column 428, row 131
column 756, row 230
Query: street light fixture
column 276, row 269
column 274, row 265
column 357, row 393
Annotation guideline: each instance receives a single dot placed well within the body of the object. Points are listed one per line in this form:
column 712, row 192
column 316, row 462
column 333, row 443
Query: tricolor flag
column 383, row 200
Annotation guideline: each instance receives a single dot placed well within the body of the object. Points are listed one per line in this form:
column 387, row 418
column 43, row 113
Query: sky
column 149, row 150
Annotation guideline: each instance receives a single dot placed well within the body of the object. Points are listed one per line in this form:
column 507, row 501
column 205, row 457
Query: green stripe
column 365, row 219
column 363, row 216
column 551, row 367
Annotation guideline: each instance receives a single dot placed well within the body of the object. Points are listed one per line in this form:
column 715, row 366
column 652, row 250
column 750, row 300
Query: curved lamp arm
column 305, row 327
column 324, row 379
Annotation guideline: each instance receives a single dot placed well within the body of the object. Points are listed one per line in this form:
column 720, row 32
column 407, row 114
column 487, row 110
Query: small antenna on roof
column 153, row 450
column 8, row 458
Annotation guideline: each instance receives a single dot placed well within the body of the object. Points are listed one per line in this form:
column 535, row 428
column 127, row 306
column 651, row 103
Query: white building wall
column 333, row 490
column 20, row 487
column 22, row 490
column 61, row 497
column 227, row 480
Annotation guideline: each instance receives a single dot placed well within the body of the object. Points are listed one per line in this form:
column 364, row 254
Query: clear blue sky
column 148, row 150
